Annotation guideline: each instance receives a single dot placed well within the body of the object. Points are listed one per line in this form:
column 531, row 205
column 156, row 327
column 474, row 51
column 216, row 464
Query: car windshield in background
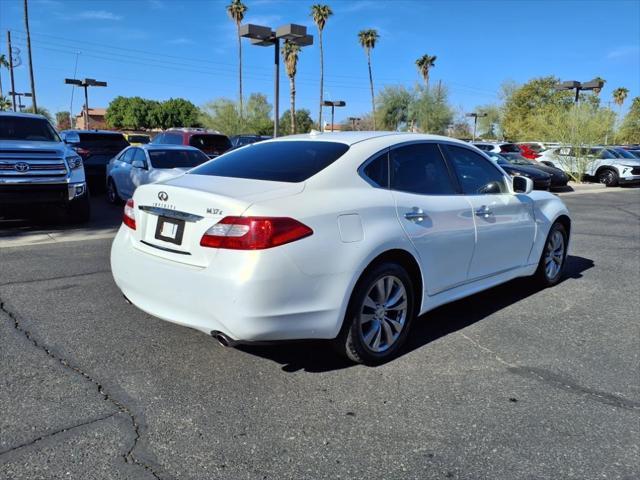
column 219, row 143
column 26, row 128
column 623, row 153
column 138, row 139
column 510, row 148
column 288, row 161
column 112, row 141
column 176, row 158
column 517, row 159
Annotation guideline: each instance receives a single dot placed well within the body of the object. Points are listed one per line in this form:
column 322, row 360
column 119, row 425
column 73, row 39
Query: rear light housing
column 83, row 152
column 254, row 233
column 129, row 218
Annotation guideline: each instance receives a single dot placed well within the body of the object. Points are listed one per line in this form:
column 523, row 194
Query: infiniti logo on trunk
column 163, row 196
column 21, row 167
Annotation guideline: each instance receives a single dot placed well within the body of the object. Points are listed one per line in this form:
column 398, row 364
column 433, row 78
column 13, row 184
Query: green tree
column 430, row 111
column 41, row 111
column 179, row 112
column 222, row 115
column 236, row 10
column 4, row 63
column 290, row 53
column 392, row 108
column 63, row 120
column 304, row 122
column 258, row 115
column 630, row 129
column 460, row 129
column 489, row 126
column 425, row 63
column 321, row 14
column 5, row 104
column 620, row 95
column 131, row 113
column 368, row 39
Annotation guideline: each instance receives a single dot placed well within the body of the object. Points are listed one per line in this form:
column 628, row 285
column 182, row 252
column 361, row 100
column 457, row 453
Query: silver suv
column 38, row 168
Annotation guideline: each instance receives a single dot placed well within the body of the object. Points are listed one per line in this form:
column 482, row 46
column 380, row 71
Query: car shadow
column 319, row 356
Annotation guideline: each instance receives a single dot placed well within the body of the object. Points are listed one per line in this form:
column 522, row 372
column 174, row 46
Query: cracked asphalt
column 513, row 383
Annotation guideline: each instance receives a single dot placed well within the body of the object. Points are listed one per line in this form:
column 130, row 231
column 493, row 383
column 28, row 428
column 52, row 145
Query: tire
column 111, row 194
column 553, row 258
column 372, row 334
column 79, row 210
column 608, row 177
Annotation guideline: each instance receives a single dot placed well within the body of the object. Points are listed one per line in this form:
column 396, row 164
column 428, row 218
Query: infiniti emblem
column 21, row 167
column 163, row 196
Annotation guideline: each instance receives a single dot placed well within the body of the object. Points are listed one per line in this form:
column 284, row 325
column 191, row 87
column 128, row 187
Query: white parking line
column 39, row 238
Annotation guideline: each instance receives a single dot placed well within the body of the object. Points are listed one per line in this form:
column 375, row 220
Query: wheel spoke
column 380, row 288
column 369, row 302
column 376, row 340
column 396, row 324
column 366, row 318
column 371, row 333
column 388, row 333
column 395, row 298
column 400, row 306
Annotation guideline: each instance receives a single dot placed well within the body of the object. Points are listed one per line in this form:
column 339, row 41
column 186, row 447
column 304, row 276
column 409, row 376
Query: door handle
column 484, row 212
column 415, row 215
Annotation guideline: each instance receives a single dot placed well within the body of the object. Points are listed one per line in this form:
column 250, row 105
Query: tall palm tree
column 367, row 39
column 425, row 63
column 620, row 95
column 290, row 52
column 236, row 10
column 598, row 90
column 4, row 63
column 320, row 14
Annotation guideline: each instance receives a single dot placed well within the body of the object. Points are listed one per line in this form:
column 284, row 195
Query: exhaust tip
column 222, row 339
column 126, row 299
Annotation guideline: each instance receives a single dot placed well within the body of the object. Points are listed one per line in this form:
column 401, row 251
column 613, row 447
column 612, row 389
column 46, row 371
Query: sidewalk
column 574, row 188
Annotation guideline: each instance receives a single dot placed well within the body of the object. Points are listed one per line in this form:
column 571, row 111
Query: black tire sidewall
column 540, row 273
column 614, row 177
column 350, row 338
column 111, row 185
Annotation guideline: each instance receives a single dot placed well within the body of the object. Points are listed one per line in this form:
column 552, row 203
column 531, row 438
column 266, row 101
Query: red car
column 211, row 143
column 528, row 150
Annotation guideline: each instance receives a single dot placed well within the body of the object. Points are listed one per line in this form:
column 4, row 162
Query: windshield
column 138, row 139
column 623, row 153
column 284, row 161
column 176, row 158
column 217, row 144
column 27, row 128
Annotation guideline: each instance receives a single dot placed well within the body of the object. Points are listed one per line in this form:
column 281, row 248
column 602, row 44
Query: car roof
column 111, row 132
column 20, row 114
column 160, row 146
column 351, row 138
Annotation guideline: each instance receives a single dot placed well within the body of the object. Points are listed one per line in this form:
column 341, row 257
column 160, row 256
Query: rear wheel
column 378, row 316
column 608, row 177
column 554, row 255
column 112, row 193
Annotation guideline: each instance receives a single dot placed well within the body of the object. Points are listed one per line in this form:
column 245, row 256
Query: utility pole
column 86, row 83
column 33, row 83
column 20, row 95
column 13, row 86
column 73, row 89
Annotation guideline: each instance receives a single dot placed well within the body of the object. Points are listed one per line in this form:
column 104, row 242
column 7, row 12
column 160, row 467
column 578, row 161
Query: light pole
column 353, row 121
column 264, row 37
column 333, row 104
column 475, row 116
column 578, row 86
column 86, row 83
column 20, row 95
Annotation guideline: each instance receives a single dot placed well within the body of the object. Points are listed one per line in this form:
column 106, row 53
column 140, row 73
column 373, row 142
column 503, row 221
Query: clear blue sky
column 179, row 48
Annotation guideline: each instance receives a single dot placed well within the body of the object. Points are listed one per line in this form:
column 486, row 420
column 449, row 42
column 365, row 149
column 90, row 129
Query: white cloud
column 180, row 41
column 624, row 51
column 97, row 15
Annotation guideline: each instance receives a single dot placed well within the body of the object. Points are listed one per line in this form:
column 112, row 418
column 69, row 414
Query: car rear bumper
column 248, row 296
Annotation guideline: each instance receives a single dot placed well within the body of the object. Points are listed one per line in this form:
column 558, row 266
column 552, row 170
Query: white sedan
column 344, row 236
column 139, row 165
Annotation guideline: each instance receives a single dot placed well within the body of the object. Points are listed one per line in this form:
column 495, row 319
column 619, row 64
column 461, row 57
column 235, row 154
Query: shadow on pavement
column 319, row 356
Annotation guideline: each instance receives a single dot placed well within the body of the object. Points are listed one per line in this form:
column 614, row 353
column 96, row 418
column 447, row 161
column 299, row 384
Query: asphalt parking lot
column 513, row 383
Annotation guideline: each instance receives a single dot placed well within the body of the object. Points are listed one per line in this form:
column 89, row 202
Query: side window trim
column 371, row 159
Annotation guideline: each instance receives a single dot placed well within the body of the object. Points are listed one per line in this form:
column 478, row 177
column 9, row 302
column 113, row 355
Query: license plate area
column 170, row 230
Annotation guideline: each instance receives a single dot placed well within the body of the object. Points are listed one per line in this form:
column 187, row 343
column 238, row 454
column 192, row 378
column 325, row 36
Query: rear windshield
column 176, row 158
column 287, row 161
column 510, row 148
column 216, row 143
column 138, row 139
column 112, row 141
column 623, row 153
column 28, row 129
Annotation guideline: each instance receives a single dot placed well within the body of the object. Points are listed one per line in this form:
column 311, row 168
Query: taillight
column 129, row 218
column 254, row 233
column 83, row 152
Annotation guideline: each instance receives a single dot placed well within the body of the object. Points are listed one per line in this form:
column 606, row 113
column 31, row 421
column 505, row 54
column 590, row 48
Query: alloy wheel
column 554, row 256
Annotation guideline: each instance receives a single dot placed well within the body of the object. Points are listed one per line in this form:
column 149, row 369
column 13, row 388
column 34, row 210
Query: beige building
column 96, row 119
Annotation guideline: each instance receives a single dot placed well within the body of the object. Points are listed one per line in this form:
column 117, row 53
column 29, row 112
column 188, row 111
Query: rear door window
column 127, row 156
column 477, row 174
column 284, row 161
column 377, row 170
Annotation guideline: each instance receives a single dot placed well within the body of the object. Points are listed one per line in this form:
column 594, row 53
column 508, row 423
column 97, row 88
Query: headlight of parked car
column 74, row 161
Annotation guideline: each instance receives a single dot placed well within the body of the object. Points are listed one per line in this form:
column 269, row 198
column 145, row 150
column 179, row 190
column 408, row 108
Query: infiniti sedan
column 136, row 166
column 343, row 236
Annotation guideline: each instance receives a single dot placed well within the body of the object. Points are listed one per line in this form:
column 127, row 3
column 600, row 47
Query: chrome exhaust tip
column 222, row 339
column 126, row 299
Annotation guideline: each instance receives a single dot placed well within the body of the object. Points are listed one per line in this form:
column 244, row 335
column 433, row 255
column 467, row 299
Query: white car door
column 436, row 218
column 505, row 224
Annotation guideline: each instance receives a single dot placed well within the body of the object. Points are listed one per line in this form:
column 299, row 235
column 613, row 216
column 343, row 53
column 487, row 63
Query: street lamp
column 333, row 105
column 475, row 116
column 264, row 37
column 353, row 121
column 578, row 86
column 20, row 95
column 86, row 83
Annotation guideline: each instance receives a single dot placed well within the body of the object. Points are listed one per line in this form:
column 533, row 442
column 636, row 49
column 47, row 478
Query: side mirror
column 139, row 164
column 522, row 184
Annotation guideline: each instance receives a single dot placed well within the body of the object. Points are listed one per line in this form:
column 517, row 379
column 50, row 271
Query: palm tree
column 290, row 52
column 620, row 95
column 236, row 10
column 425, row 63
column 368, row 40
column 598, row 90
column 5, row 104
column 320, row 14
column 3, row 63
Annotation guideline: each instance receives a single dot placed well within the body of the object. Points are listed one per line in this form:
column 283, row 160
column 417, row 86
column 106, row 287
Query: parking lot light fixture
column 579, row 86
column 86, row 83
column 20, row 95
column 333, row 104
column 475, row 116
column 354, row 121
column 262, row 36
